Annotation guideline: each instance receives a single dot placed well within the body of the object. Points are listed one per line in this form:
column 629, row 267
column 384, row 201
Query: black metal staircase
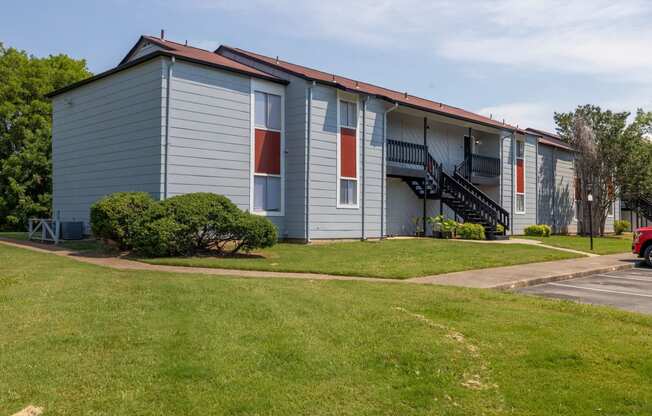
column 424, row 175
column 641, row 205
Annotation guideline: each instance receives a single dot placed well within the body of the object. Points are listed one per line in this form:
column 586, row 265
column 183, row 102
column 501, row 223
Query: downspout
column 383, row 178
column 167, row 127
column 363, row 178
column 308, row 138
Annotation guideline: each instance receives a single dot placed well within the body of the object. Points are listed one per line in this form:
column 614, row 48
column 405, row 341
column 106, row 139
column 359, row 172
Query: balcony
column 480, row 169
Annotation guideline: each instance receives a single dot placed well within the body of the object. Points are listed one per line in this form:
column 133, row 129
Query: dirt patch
column 30, row 411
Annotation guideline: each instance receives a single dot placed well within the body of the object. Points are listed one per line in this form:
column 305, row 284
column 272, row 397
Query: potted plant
column 442, row 227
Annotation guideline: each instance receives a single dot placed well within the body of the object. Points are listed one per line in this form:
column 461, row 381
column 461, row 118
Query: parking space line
column 623, row 278
column 601, row 290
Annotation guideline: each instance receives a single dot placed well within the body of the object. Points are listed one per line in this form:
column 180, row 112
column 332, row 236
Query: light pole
column 589, row 198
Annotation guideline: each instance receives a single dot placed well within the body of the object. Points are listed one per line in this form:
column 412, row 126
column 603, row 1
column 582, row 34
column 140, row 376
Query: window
column 347, row 157
column 267, row 152
column 268, row 110
column 610, row 210
column 520, row 177
column 348, row 116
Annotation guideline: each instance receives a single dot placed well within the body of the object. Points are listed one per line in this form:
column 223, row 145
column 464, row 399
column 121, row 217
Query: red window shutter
column 268, row 152
column 520, row 177
column 348, row 156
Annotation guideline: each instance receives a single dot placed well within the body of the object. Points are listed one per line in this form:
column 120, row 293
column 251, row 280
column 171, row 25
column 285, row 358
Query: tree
column 611, row 158
column 25, row 131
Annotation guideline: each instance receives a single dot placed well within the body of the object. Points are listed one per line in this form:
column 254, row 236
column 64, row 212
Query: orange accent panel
column 520, row 176
column 348, row 156
column 268, row 152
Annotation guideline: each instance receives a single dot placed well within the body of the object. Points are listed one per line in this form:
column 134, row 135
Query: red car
column 642, row 244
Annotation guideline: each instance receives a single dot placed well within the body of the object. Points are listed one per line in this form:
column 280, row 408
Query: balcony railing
column 406, row 153
column 478, row 165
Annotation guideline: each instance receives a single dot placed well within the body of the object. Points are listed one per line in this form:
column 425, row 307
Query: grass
column 81, row 339
column 601, row 245
column 387, row 259
column 80, row 245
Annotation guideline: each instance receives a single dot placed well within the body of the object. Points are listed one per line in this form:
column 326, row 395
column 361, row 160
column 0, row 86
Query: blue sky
column 516, row 59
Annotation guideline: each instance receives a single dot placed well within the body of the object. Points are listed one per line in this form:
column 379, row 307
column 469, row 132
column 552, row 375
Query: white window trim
column 516, row 193
column 613, row 210
column 269, row 88
column 342, row 96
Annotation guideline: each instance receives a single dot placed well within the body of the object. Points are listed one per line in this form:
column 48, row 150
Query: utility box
column 72, row 230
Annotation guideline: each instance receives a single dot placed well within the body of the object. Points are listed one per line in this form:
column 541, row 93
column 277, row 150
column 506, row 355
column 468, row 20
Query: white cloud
column 525, row 114
column 596, row 37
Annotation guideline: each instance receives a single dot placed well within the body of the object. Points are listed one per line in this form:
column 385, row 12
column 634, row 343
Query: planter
column 447, row 235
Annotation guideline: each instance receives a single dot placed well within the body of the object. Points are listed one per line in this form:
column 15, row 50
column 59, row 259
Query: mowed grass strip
column 81, row 339
column 399, row 259
column 601, row 245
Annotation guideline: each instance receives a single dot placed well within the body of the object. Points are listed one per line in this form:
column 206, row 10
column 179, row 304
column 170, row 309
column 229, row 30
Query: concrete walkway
column 501, row 278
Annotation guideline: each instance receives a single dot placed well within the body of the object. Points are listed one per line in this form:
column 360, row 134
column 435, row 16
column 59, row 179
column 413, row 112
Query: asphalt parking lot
column 630, row 289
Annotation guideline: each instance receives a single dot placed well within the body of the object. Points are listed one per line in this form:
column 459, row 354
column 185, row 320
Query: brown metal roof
column 353, row 85
column 551, row 139
column 191, row 52
column 179, row 51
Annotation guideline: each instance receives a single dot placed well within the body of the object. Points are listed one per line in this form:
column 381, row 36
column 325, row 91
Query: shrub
column 158, row 238
column 253, row 231
column 540, row 230
column 185, row 224
column 114, row 216
column 621, row 226
column 500, row 229
column 471, row 231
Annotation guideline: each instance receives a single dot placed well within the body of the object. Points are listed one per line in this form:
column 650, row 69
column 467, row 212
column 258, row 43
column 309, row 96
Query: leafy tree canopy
column 613, row 157
column 25, row 130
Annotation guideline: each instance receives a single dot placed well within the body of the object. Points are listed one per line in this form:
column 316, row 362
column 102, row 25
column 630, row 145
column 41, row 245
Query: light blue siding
column 296, row 114
column 209, row 139
column 106, row 137
column 556, row 189
column 522, row 220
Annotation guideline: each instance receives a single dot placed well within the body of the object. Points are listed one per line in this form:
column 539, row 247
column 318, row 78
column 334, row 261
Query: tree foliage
column 612, row 159
column 25, row 130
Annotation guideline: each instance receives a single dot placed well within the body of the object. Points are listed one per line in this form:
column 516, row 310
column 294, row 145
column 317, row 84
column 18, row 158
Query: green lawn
column 81, row 339
column 387, row 259
column 81, row 245
column 601, row 245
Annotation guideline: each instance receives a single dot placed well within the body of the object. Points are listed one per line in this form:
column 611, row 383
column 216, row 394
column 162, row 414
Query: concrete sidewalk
column 511, row 277
column 501, row 278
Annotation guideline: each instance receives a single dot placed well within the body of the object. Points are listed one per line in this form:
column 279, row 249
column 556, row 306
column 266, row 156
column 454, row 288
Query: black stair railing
column 502, row 214
column 466, row 196
column 470, row 200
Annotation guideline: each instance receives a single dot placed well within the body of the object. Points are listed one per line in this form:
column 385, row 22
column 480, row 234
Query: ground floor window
column 348, row 191
column 520, row 203
column 267, row 193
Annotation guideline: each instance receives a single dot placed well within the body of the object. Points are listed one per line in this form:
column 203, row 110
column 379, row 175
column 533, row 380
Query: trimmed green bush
column 471, row 231
column 621, row 226
column 114, row 216
column 253, row 231
column 539, row 230
column 500, row 229
column 190, row 223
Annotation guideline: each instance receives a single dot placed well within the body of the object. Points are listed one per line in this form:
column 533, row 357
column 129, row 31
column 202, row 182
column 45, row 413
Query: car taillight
column 637, row 235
